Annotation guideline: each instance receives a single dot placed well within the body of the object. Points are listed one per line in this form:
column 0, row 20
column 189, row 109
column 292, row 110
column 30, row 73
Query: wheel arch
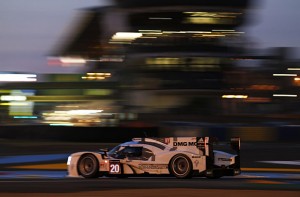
column 189, row 160
column 97, row 158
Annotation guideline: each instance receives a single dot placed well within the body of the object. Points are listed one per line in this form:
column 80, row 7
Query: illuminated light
column 15, row 104
column 25, row 117
column 150, row 30
column 285, row 95
column 213, row 13
column 13, row 98
column 214, row 35
column 61, row 124
column 126, row 36
column 61, row 118
column 199, row 32
column 18, row 77
column 293, row 69
column 107, row 74
column 175, row 32
column 237, row 32
column 160, row 18
column 72, row 60
column 285, row 75
column 83, row 112
column 96, row 76
column 105, row 161
column 297, row 78
column 224, row 30
column 235, row 96
column 58, row 112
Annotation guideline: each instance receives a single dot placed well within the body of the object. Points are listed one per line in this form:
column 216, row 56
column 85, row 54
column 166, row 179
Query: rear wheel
column 181, row 166
column 88, row 166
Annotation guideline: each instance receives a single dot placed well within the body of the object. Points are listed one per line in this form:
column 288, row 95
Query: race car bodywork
column 182, row 157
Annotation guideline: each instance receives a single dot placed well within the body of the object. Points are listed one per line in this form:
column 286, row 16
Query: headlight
column 69, row 160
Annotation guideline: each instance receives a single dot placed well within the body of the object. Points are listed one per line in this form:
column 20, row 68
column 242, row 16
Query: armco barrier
column 121, row 134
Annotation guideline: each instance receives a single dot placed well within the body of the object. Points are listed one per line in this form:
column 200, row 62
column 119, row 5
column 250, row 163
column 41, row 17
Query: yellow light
column 297, row 78
column 126, row 36
column 15, row 104
column 96, row 76
column 293, row 69
column 13, row 98
column 285, row 75
column 235, row 96
column 72, row 60
column 83, row 112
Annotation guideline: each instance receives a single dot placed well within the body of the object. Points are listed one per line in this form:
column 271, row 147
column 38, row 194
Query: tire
column 88, row 166
column 181, row 166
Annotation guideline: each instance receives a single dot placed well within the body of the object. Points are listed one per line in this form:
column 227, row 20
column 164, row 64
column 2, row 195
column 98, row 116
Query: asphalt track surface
column 38, row 169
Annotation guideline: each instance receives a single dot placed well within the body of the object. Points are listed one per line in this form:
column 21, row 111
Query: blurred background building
column 147, row 63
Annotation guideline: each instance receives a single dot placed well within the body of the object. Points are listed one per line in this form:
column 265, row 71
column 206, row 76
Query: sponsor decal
column 201, row 144
column 196, row 156
column 167, row 140
column 224, row 159
column 184, row 143
column 196, row 163
column 153, row 166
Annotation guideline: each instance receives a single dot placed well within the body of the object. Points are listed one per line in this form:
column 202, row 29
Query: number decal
column 114, row 167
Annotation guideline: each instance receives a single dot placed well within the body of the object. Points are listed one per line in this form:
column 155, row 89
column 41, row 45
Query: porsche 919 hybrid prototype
column 182, row 157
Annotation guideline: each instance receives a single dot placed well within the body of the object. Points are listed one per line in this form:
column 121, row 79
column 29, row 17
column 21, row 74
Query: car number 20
column 114, row 167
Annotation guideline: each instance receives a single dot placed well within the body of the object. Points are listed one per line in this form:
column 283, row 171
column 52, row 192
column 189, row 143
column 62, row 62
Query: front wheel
column 181, row 166
column 88, row 166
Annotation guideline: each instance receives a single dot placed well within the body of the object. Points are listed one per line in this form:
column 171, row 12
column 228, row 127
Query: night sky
column 30, row 29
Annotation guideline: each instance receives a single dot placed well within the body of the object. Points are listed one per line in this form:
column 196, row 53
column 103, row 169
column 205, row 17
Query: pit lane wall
column 121, row 134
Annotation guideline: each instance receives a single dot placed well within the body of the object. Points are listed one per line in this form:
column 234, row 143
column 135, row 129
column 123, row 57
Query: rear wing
column 207, row 145
column 235, row 144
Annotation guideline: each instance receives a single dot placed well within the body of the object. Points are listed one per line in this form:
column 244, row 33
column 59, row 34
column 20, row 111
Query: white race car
column 182, row 157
